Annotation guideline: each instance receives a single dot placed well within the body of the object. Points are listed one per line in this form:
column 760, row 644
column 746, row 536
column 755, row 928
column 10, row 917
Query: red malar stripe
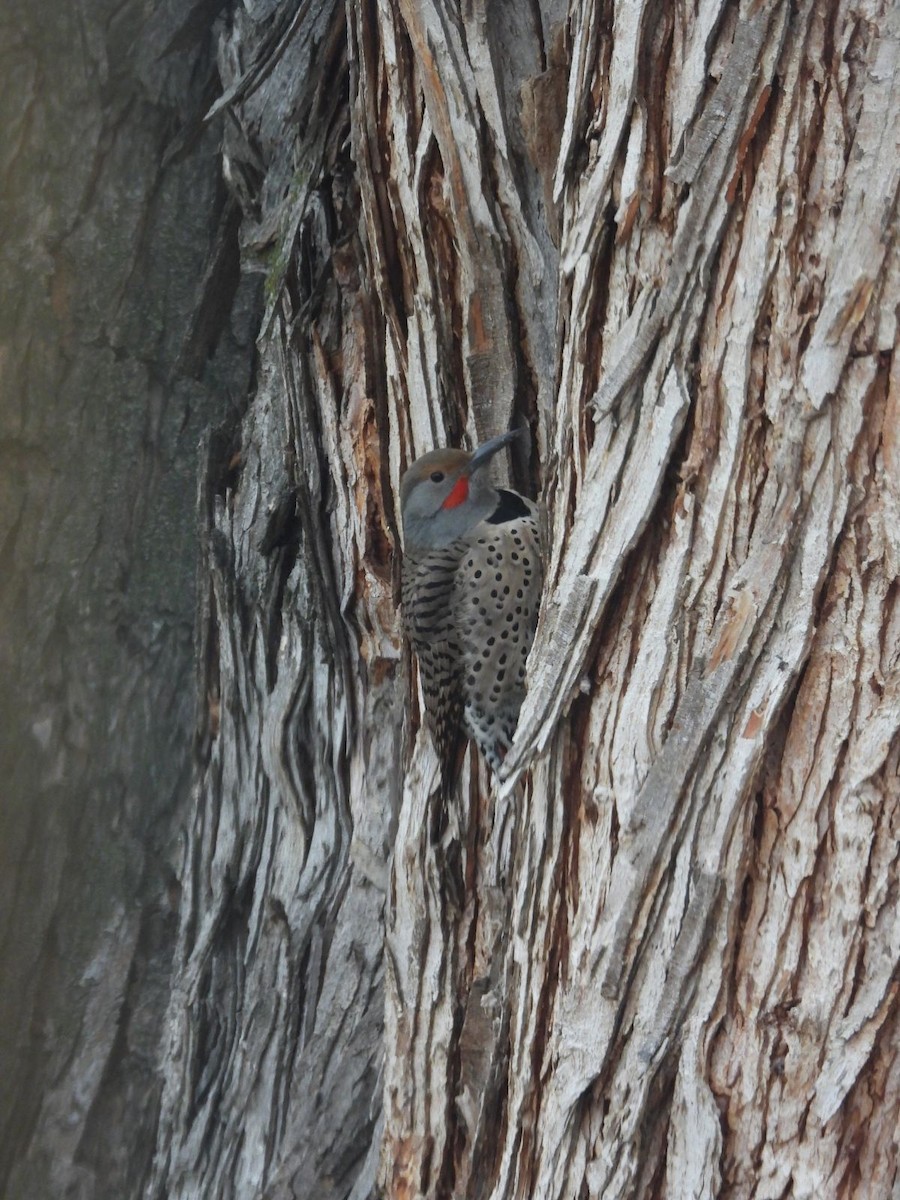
column 459, row 495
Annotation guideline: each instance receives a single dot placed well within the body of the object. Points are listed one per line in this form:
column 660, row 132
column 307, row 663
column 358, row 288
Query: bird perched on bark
column 471, row 588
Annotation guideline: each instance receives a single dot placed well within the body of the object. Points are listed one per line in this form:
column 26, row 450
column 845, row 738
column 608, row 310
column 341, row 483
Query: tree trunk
column 126, row 329
column 660, row 956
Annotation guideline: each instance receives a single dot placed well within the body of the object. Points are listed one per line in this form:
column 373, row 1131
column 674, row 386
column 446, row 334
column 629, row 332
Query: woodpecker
column 471, row 588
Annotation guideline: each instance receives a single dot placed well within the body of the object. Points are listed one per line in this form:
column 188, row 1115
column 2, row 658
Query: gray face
column 431, row 480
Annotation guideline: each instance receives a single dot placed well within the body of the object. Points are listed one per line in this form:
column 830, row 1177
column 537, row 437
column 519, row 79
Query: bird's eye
column 437, row 476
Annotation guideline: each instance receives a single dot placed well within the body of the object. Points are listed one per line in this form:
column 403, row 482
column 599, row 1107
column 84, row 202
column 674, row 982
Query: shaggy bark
column 660, row 983
column 660, row 956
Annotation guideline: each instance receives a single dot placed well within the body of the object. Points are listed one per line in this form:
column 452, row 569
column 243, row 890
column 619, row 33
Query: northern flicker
column 471, row 586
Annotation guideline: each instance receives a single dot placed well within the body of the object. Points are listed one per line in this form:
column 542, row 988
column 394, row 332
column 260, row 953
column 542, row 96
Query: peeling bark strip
column 272, row 1052
column 661, row 958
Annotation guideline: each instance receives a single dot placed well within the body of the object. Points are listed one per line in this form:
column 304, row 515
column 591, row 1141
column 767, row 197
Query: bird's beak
column 487, row 450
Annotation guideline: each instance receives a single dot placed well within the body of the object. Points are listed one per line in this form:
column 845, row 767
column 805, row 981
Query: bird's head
column 446, row 493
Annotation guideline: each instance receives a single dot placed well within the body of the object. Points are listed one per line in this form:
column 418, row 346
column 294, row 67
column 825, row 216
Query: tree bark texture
column 126, row 329
column 660, row 956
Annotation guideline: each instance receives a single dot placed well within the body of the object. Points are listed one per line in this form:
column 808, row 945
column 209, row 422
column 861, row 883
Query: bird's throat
column 459, row 494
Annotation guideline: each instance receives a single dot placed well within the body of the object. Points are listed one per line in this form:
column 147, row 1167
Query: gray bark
column 126, row 330
column 659, row 958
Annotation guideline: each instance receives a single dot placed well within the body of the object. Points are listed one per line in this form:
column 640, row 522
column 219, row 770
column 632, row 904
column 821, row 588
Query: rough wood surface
column 719, row 419
column 660, row 958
